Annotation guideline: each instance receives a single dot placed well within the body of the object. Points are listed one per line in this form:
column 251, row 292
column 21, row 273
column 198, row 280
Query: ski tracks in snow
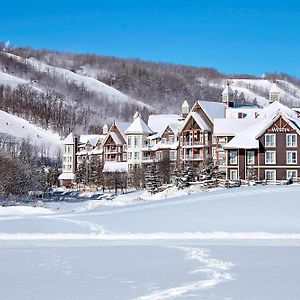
column 216, row 271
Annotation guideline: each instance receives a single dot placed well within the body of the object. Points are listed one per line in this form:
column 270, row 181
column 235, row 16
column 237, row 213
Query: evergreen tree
column 153, row 180
column 208, row 169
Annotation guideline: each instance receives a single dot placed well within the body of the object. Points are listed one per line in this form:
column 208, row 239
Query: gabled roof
column 69, row 140
column 274, row 108
column 248, row 138
column 91, row 138
column 122, row 126
column 231, row 127
column 197, row 118
column 213, row 110
column 138, row 126
column 159, row 123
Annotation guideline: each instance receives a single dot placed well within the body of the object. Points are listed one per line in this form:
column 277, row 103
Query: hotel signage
column 276, row 129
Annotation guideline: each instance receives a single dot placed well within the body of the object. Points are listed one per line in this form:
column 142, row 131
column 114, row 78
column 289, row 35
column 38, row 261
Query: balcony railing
column 193, row 157
column 193, row 143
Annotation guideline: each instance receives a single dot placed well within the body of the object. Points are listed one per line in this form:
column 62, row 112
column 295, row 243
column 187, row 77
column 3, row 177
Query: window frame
column 292, row 135
column 273, row 171
column 253, row 157
column 270, row 163
column 287, row 155
column 268, row 135
column 235, row 162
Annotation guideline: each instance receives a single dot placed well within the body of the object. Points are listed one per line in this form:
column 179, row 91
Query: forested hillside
column 80, row 92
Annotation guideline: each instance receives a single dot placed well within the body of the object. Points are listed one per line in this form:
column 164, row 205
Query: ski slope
column 15, row 127
column 233, row 244
column 92, row 84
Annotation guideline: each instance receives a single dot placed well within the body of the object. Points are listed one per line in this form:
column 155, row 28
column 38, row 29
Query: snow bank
column 23, row 211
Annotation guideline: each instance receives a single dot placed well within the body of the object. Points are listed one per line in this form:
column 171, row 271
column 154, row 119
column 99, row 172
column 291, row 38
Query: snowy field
column 232, row 244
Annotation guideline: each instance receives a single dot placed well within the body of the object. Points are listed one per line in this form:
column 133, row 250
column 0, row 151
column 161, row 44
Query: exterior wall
column 195, row 144
column 280, row 129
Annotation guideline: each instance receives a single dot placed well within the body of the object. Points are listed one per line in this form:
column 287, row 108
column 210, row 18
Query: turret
column 185, row 109
column 105, row 129
column 228, row 96
column 274, row 93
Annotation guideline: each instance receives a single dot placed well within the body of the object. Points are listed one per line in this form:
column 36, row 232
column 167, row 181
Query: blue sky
column 232, row 36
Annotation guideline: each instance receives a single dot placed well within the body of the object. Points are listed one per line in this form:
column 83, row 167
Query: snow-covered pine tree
column 153, row 180
column 208, row 170
column 80, row 172
column 188, row 176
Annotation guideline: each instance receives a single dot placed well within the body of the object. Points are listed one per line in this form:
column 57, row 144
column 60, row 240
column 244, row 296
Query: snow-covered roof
column 197, row 119
column 115, row 166
column 91, row 138
column 248, row 138
column 275, row 107
column 185, row 104
column 66, row 176
column 69, row 140
column 161, row 145
column 138, row 126
column 231, row 127
column 115, row 138
column 228, row 90
column 122, row 126
column 274, row 88
column 249, row 111
column 213, row 109
column 159, row 123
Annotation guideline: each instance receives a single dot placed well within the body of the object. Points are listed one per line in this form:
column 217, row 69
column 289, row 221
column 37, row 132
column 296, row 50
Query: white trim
column 270, row 134
column 270, row 163
column 288, row 177
column 286, row 156
column 270, row 170
column 286, row 140
column 233, row 171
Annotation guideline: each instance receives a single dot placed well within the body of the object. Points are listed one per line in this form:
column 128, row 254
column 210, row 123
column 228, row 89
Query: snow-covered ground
column 13, row 126
column 239, row 243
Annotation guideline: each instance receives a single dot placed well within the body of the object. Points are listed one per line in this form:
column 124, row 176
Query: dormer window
column 270, row 140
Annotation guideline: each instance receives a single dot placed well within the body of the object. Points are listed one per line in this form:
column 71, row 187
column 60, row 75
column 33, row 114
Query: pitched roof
column 274, row 88
column 69, row 139
column 213, row 109
column 275, row 107
column 197, row 118
column 159, row 123
column 248, row 138
column 231, row 127
column 138, row 126
column 228, row 90
column 122, row 126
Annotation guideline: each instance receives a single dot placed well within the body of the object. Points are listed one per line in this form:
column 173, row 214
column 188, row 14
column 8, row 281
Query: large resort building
column 245, row 141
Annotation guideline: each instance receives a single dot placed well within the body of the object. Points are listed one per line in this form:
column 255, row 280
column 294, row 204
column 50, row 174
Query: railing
column 193, row 157
column 193, row 143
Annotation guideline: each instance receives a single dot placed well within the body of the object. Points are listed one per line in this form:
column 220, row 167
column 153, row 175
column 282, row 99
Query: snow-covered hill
column 258, row 89
column 17, row 128
column 92, row 84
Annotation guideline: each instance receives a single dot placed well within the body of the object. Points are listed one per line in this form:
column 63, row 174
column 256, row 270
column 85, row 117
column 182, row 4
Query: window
column 250, row 157
column 270, row 175
column 291, row 140
column 270, row 140
column 214, row 152
column 233, row 174
column 291, row 174
column 129, row 155
column 270, row 157
column 164, row 140
column 171, row 139
column 233, row 157
column 124, row 156
column 291, row 157
column 136, row 155
column 173, row 154
column 136, row 141
column 129, row 141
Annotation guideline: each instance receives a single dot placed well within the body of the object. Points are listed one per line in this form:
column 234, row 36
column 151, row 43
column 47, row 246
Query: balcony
column 193, row 144
column 193, row 157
